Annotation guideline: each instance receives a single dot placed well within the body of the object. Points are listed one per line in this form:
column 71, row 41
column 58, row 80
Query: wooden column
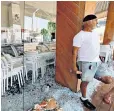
column 69, row 22
column 109, row 31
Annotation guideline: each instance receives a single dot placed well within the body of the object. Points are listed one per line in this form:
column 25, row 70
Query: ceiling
column 101, row 6
column 9, row 2
column 49, row 7
column 46, row 9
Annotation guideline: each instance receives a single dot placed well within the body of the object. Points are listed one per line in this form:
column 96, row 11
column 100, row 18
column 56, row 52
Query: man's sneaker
column 88, row 104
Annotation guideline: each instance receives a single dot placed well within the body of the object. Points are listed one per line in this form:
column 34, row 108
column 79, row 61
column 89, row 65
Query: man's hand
column 76, row 71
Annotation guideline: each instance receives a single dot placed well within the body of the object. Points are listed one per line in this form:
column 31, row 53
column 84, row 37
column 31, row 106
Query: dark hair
column 89, row 17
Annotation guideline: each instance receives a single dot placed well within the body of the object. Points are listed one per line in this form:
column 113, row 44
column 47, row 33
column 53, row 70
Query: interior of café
column 36, row 52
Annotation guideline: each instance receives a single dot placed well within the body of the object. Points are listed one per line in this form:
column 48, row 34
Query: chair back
column 105, row 52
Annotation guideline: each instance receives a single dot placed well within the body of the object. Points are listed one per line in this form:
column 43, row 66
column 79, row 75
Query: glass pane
column 39, row 49
column 12, row 63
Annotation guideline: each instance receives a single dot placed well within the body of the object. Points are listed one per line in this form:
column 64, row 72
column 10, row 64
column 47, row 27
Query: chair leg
column 4, row 84
column 34, row 76
column 25, row 72
column 7, row 79
column 42, row 71
column 54, row 64
column 4, row 80
column 37, row 67
column 2, row 87
column 22, row 72
column 19, row 80
column 11, row 78
column 21, row 77
column 33, row 73
column 7, row 83
column 14, row 78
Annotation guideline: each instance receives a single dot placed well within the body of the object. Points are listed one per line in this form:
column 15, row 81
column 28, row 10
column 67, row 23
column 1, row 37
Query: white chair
column 4, row 78
column 105, row 51
column 16, row 62
column 47, row 58
column 30, row 61
column 41, row 63
column 34, row 61
column 51, row 58
column 14, row 69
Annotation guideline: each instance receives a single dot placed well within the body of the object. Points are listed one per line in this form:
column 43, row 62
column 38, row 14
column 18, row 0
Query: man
column 86, row 50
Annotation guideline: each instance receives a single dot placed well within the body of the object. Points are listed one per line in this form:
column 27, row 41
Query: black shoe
column 88, row 104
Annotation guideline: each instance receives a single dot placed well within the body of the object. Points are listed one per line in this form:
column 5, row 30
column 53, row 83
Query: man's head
column 90, row 21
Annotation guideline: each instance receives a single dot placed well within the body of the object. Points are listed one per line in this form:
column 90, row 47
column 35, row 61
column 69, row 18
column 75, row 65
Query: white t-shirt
column 89, row 43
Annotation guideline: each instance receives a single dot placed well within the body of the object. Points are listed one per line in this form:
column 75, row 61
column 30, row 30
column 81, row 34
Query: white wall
column 4, row 16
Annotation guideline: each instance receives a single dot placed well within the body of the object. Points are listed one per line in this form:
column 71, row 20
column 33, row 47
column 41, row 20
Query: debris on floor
column 44, row 89
column 47, row 105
